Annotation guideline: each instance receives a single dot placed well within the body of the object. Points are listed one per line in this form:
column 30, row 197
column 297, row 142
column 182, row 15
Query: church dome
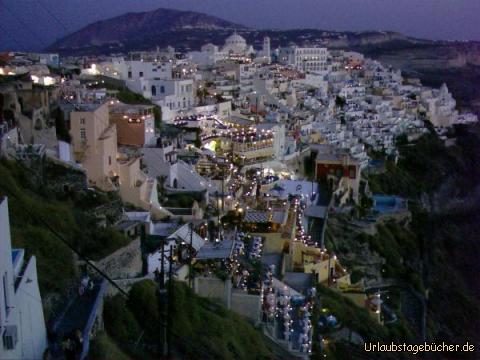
column 236, row 40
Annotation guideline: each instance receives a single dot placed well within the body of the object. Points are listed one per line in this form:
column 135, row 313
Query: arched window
column 162, row 89
column 154, row 90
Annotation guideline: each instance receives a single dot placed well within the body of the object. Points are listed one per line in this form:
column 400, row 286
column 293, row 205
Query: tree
column 198, row 141
column 143, row 303
column 202, row 93
column 120, row 323
column 161, row 180
column 340, row 102
column 61, row 128
column 157, row 113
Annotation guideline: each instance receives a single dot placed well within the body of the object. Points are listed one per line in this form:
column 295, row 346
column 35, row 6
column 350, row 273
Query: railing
column 91, row 320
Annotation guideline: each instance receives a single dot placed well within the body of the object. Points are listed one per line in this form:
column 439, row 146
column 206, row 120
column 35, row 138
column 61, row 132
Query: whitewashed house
column 22, row 324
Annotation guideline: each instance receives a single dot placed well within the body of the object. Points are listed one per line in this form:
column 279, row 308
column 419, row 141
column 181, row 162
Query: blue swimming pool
column 388, row 203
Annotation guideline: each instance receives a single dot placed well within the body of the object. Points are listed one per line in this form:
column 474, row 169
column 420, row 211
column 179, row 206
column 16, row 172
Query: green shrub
column 103, row 348
column 120, row 323
column 201, row 329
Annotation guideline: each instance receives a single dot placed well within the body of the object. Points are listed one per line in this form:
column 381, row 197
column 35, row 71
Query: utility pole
column 162, row 293
column 190, row 259
column 218, row 213
column 223, row 189
column 170, row 302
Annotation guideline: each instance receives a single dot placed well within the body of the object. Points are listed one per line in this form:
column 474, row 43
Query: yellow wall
column 98, row 152
column 274, row 243
column 320, row 268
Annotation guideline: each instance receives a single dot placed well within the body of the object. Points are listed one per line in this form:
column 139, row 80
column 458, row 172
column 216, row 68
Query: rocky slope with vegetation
column 442, row 185
column 434, row 255
column 48, row 221
column 139, row 26
column 200, row 328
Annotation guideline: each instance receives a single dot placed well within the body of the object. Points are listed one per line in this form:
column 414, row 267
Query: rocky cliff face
column 439, row 56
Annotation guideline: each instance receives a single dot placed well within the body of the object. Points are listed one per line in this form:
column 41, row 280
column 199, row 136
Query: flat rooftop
column 214, row 250
column 130, row 108
column 87, row 107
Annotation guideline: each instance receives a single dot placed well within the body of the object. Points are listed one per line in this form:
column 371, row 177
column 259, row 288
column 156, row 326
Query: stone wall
column 246, row 305
column 214, row 288
column 124, row 263
column 242, row 303
column 126, row 284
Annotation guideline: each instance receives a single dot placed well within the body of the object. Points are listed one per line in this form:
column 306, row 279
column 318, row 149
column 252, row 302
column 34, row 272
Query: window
column 140, row 74
column 109, row 160
column 129, row 74
column 10, row 337
column 352, row 172
column 83, row 134
column 6, row 295
column 154, row 90
column 162, row 89
column 82, row 121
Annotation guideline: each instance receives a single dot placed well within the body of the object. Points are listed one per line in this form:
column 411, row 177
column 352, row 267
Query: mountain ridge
column 132, row 26
column 147, row 29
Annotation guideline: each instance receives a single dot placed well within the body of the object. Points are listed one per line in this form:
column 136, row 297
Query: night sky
column 34, row 24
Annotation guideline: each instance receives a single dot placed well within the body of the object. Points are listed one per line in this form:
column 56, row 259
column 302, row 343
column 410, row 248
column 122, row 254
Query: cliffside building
column 22, row 324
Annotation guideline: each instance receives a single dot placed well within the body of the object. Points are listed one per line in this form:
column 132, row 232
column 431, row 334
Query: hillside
column 36, row 207
column 139, row 27
column 201, row 329
column 445, row 224
column 189, row 30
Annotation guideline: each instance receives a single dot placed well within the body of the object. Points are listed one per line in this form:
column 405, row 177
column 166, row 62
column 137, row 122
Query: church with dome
column 237, row 45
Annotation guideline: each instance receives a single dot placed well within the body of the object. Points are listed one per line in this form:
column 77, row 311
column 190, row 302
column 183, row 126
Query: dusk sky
column 34, row 24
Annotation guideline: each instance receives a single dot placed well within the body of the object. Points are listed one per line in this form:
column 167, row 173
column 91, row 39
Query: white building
column 131, row 70
column 172, row 95
column 265, row 54
column 304, row 58
column 441, row 108
column 208, row 55
column 22, row 325
column 162, row 161
column 174, row 236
